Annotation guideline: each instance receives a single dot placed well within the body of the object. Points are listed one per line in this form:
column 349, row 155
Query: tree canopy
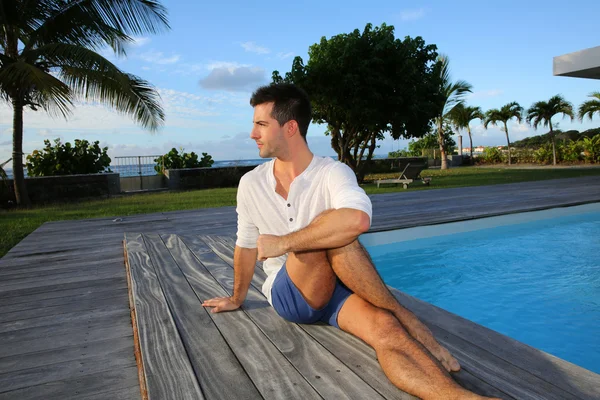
column 364, row 84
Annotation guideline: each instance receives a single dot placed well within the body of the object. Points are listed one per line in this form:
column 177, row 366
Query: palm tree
column 542, row 112
column 450, row 95
column 505, row 114
column 462, row 116
column 48, row 59
column 590, row 107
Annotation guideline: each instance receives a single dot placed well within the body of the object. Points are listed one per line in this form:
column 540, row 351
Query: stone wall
column 205, row 178
column 49, row 189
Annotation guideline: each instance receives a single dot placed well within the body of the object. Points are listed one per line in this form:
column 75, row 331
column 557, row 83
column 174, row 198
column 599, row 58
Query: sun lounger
column 407, row 176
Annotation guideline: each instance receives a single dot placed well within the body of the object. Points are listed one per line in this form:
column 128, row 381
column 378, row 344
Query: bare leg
column 354, row 267
column 407, row 364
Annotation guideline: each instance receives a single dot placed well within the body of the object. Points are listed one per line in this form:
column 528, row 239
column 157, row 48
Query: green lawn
column 16, row 224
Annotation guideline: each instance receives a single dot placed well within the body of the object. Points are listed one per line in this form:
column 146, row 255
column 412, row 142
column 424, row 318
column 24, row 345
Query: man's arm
column 244, row 261
column 331, row 229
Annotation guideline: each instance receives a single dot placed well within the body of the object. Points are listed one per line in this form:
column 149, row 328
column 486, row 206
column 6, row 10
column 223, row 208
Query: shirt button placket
column 290, row 212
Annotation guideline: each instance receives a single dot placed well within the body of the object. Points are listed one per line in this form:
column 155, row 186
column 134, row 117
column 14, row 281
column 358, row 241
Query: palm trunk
column 470, row 142
column 442, row 149
column 507, row 141
column 18, row 176
column 553, row 145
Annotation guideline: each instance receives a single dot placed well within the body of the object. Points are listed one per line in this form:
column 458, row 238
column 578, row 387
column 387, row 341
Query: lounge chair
column 407, row 176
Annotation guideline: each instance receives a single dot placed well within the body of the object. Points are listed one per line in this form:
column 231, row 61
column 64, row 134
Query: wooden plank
column 78, row 387
column 68, row 297
column 62, row 305
column 207, row 337
column 6, row 290
column 48, row 268
column 115, row 358
column 57, row 290
column 568, row 377
column 331, row 378
column 167, row 370
column 130, row 393
column 111, row 325
column 89, row 311
column 68, row 353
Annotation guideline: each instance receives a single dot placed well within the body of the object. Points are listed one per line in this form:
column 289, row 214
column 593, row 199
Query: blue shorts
column 289, row 303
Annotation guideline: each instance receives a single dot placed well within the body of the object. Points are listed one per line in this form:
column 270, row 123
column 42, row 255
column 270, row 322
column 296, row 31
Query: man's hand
column 270, row 246
column 221, row 304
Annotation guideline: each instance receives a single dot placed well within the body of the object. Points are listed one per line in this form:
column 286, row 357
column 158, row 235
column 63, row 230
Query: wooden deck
column 66, row 332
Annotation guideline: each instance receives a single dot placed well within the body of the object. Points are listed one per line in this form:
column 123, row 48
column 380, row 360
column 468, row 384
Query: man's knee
column 351, row 248
column 313, row 258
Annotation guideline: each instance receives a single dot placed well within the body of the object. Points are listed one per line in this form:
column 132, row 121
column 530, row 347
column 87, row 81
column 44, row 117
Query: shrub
column 67, row 159
column 543, row 155
column 492, row 155
column 572, row 151
column 591, row 148
column 175, row 160
column 522, row 155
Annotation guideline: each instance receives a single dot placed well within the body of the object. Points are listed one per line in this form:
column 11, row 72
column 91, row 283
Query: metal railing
column 139, row 172
column 137, row 165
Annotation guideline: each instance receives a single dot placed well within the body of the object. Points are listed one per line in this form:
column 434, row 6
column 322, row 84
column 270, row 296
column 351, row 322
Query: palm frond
column 126, row 93
column 38, row 87
column 542, row 112
column 590, row 107
column 93, row 23
column 452, row 93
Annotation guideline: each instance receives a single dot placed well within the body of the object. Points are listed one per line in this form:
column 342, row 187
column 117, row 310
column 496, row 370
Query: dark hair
column 290, row 103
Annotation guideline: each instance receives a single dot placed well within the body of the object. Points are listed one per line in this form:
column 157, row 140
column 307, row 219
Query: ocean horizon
column 148, row 169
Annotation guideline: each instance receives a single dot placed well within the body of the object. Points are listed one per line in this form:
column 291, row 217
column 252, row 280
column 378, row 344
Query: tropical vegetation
column 541, row 112
column 365, row 84
column 451, row 94
column 49, row 57
column 503, row 115
column 461, row 117
column 66, row 159
column 176, row 160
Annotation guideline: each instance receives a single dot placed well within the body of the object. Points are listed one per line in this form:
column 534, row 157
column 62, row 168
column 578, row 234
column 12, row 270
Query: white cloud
column 45, row 132
column 234, row 79
column 485, row 93
column 285, row 55
column 412, row 14
column 231, row 66
column 254, row 48
column 157, row 57
column 140, row 41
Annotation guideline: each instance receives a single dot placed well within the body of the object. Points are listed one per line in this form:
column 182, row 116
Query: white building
column 580, row 64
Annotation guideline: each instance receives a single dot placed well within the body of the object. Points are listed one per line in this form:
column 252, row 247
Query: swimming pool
column 533, row 276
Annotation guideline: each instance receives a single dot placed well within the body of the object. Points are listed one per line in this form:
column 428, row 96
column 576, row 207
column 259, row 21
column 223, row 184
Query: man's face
column 267, row 133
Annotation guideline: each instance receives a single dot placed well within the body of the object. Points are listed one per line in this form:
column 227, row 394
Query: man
column 302, row 214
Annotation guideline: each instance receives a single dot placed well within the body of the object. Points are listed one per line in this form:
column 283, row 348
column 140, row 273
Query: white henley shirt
column 325, row 184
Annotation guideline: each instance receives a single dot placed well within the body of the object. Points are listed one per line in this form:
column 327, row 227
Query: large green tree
column 541, row 112
column 504, row 114
column 590, row 107
column 364, row 84
column 461, row 117
column 49, row 58
column 450, row 95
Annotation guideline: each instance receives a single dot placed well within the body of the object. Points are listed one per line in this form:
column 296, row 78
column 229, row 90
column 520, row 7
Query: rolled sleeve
column 345, row 192
column 247, row 231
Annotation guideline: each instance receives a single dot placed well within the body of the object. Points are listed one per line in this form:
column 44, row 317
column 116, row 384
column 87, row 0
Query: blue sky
column 207, row 65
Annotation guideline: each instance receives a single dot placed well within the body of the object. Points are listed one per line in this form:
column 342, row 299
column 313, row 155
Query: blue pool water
column 537, row 282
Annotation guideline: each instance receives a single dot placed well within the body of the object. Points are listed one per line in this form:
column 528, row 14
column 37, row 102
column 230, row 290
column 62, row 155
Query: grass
column 17, row 224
